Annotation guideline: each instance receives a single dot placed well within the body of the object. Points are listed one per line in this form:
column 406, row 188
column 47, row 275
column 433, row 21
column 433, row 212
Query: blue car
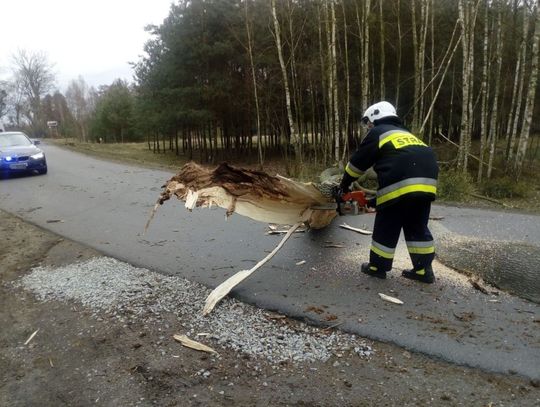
column 18, row 154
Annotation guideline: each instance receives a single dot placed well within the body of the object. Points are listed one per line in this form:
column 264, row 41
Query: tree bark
column 381, row 51
column 495, row 108
column 529, row 102
column 255, row 92
column 347, row 107
column 363, row 31
column 291, row 122
column 399, row 51
column 484, row 91
column 467, row 17
column 334, row 80
column 519, row 83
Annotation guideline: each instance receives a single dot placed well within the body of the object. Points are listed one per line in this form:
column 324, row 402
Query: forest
column 259, row 79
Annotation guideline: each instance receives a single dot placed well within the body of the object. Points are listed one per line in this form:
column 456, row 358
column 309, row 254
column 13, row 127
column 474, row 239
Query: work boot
column 372, row 271
column 424, row 275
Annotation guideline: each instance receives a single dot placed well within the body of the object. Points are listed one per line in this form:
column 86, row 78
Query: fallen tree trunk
column 508, row 265
column 255, row 194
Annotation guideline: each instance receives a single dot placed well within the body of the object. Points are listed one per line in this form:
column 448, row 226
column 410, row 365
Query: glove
column 337, row 193
column 372, row 202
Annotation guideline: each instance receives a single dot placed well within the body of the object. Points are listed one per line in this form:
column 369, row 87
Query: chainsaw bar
column 325, row 207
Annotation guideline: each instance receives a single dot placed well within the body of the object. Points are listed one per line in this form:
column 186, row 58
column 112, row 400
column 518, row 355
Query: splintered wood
column 393, row 300
column 224, row 288
column 190, row 343
column 255, row 194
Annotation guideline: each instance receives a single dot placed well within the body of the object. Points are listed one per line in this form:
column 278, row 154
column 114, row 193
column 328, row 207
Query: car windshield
column 14, row 140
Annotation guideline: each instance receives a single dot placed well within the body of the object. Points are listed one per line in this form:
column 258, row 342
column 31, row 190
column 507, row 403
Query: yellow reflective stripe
column 421, row 272
column 405, row 190
column 382, row 253
column 417, row 247
column 352, row 171
column 395, row 135
column 392, row 136
column 422, row 250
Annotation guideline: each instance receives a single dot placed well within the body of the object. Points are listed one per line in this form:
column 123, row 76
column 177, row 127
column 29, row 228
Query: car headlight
column 7, row 158
column 38, row 156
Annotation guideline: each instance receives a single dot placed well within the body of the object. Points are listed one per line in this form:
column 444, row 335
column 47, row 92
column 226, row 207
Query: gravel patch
column 124, row 292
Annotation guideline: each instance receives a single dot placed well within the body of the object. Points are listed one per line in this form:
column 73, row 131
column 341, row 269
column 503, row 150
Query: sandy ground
column 78, row 358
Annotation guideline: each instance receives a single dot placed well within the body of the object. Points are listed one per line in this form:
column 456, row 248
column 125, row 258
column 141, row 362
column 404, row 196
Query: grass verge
column 453, row 187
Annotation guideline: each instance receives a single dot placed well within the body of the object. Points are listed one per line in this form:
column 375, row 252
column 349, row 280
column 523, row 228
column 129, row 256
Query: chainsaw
column 350, row 203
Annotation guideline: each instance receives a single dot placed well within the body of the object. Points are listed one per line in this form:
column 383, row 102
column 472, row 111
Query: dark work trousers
column 412, row 215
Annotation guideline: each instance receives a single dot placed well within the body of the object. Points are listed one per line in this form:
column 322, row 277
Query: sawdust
column 507, row 265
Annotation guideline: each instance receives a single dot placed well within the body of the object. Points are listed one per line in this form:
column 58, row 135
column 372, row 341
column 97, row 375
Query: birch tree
column 329, row 74
column 445, row 63
column 484, row 94
column 419, row 46
column 517, row 93
column 432, row 58
column 324, row 84
column 347, row 107
column 362, row 21
column 295, row 90
column 77, row 95
column 381, row 51
column 495, row 106
column 292, row 125
column 531, row 92
column 255, row 91
column 467, row 18
column 399, row 50
column 334, row 80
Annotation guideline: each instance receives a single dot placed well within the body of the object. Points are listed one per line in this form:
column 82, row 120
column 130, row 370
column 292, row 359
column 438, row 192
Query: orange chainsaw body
column 353, row 203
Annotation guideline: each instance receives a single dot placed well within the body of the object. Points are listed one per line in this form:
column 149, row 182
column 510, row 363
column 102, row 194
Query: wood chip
column 190, row 343
column 476, row 285
column 357, row 230
column 31, row 337
column 336, row 246
column 465, row 316
column 273, row 315
column 301, row 262
column 393, row 300
column 283, row 231
column 54, row 221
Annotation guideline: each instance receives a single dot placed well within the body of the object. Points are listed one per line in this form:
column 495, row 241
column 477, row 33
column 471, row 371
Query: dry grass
column 138, row 153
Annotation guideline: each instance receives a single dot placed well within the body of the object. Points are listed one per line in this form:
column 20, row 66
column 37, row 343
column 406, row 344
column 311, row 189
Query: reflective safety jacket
column 404, row 164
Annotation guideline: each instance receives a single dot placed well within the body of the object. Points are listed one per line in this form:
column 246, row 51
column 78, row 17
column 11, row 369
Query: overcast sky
column 92, row 38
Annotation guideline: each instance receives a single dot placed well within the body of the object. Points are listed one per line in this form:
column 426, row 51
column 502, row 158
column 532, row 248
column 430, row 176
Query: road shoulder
column 79, row 357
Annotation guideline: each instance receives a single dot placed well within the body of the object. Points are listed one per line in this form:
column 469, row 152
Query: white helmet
column 378, row 111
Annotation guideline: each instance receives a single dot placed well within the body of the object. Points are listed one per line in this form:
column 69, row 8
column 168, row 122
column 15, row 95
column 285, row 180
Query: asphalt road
column 105, row 205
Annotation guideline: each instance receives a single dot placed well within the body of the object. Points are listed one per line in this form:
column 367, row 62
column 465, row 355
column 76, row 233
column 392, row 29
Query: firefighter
column 407, row 175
